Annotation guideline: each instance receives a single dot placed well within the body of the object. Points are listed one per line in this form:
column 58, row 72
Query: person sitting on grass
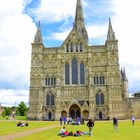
column 70, row 120
column 77, row 121
column 62, row 131
column 26, row 124
column 22, row 125
column 80, row 133
column 19, row 123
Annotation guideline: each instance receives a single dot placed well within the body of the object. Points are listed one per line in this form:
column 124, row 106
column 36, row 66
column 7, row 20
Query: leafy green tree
column 22, row 109
column 3, row 113
column 7, row 110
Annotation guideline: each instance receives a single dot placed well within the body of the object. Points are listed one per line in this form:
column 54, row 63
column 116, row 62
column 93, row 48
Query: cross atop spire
column 111, row 34
column 38, row 36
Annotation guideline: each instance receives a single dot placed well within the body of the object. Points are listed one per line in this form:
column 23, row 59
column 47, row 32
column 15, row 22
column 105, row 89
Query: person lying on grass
column 64, row 133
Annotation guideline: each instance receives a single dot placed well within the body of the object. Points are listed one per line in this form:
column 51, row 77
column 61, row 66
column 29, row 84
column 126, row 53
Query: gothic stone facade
column 78, row 79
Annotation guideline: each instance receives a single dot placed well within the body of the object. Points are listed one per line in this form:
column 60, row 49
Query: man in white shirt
column 133, row 120
column 62, row 131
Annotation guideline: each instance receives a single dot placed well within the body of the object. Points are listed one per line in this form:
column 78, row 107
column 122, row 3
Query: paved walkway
column 25, row 133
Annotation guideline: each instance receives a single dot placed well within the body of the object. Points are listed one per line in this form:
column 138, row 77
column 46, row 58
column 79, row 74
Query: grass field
column 101, row 131
column 9, row 127
column 17, row 118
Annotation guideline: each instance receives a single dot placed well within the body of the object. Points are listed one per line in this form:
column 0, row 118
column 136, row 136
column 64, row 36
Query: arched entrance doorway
column 100, row 116
column 50, row 116
column 74, row 111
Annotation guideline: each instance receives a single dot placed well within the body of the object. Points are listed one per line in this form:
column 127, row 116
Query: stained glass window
column 82, row 74
column 67, row 74
column 74, row 71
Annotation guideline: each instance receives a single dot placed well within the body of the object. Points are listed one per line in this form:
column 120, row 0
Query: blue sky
column 19, row 19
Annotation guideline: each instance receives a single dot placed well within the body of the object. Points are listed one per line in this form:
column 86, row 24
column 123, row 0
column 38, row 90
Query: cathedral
column 77, row 79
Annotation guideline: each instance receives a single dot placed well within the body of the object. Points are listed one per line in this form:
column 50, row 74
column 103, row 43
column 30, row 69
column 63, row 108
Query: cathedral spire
column 123, row 73
column 111, row 34
column 125, row 78
column 79, row 18
column 79, row 24
column 38, row 36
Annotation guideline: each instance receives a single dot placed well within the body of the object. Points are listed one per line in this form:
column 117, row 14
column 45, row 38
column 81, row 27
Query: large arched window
column 97, row 99
column 74, row 71
column 67, row 47
column 71, row 47
column 102, row 98
column 81, row 47
column 52, row 99
column 52, row 80
column 48, row 99
column 67, row 78
column 49, row 81
column 82, row 74
column 76, row 47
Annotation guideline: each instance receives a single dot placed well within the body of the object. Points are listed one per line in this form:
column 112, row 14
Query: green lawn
column 101, row 131
column 8, row 127
column 17, row 118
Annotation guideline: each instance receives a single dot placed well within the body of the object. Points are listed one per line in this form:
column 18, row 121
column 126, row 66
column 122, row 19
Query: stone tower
column 77, row 79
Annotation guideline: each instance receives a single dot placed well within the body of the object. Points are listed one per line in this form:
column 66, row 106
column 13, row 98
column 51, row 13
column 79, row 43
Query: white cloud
column 59, row 35
column 13, row 97
column 127, row 28
column 52, row 10
column 16, row 33
column 55, row 10
column 97, row 31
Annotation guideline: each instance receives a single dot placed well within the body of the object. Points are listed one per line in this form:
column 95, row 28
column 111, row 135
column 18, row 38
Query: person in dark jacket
column 90, row 125
column 115, row 123
column 60, row 120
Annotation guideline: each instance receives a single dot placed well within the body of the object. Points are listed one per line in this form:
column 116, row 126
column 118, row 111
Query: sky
column 19, row 20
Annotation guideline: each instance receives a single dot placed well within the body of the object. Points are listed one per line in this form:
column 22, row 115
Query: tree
column 7, row 111
column 22, row 109
column 3, row 113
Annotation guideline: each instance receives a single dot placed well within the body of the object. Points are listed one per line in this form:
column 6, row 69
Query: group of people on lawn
column 69, row 120
column 63, row 132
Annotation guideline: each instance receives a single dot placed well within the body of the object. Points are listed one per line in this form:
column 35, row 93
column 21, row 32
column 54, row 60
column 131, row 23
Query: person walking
column 90, row 125
column 115, row 123
column 65, row 120
column 133, row 120
column 60, row 120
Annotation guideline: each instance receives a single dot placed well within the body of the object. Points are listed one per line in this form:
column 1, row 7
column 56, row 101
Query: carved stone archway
column 75, row 111
column 85, row 114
